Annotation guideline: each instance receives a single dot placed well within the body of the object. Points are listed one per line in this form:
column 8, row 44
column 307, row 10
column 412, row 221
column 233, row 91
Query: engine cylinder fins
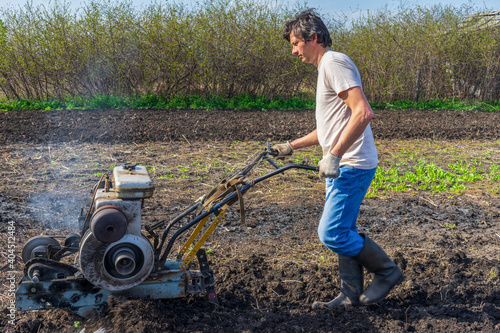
column 108, row 224
column 36, row 247
column 117, row 266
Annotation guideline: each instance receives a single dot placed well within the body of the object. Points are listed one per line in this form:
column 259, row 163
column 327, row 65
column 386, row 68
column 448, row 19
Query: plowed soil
column 270, row 270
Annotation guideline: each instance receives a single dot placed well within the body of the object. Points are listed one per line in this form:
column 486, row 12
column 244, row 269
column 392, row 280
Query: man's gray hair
column 307, row 24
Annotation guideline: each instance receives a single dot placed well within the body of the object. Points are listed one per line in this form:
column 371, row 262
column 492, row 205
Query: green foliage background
column 220, row 49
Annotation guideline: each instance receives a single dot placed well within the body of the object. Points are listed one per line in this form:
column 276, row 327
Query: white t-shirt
column 337, row 73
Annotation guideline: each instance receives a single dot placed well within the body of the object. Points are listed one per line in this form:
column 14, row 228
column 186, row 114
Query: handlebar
column 263, row 156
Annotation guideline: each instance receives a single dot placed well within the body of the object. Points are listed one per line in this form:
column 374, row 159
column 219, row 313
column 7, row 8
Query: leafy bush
column 225, row 48
column 233, row 48
column 456, row 57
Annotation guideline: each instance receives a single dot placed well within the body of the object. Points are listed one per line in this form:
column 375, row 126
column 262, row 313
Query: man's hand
column 329, row 166
column 284, row 149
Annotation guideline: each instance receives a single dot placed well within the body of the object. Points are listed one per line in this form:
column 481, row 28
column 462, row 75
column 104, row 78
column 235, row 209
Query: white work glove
column 284, row 149
column 329, row 166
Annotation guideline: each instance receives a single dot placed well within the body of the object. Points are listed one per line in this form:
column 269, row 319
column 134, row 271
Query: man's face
column 301, row 48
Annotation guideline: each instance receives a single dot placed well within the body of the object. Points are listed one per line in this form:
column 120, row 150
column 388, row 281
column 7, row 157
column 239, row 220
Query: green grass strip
column 151, row 101
column 440, row 104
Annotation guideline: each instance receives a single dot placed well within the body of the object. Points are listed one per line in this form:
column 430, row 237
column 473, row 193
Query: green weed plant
column 427, row 176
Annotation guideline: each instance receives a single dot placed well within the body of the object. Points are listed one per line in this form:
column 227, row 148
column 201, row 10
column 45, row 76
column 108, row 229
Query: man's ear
column 314, row 39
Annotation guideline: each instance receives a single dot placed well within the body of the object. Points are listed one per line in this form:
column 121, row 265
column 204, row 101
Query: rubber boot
column 387, row 273
column 351, row 284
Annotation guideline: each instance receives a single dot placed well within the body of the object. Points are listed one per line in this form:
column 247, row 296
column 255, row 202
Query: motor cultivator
column 113, row 255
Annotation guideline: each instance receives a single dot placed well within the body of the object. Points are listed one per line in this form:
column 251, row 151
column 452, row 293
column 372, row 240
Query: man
column 349, row 162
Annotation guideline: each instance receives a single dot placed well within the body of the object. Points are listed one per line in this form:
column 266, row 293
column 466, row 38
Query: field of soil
column 270, row 270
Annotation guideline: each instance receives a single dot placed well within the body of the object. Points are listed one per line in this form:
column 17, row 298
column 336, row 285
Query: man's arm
column 305, row 141
column 361, row 116
column 285, row 149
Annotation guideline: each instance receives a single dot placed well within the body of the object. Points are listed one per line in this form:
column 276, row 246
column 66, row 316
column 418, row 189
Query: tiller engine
column 114, row 255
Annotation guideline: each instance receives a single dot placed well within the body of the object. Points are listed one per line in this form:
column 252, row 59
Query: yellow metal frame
column 202, row 240
column 193, row 235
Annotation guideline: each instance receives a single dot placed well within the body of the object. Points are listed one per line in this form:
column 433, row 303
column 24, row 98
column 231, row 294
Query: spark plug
column 106, row 184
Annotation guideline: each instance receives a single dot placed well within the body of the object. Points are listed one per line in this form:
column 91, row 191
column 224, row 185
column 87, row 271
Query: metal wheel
column 117, row 266
column 36, row 247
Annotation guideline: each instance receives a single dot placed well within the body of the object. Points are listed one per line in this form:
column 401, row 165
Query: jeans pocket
column 365, row 179
column 348, row 178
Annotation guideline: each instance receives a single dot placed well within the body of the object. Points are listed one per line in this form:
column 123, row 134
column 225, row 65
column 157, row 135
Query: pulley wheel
column 36, row 247
column 72, row 241
column 108, row 224
column 117, row 266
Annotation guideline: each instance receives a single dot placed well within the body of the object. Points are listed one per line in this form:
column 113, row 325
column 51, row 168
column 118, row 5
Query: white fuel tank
column 132, row 181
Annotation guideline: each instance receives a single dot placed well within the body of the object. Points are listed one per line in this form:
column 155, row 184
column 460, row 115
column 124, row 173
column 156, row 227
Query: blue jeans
column 337, row 228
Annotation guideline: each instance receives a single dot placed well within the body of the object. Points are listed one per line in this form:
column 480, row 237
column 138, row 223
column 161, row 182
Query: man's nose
column 295, row 51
